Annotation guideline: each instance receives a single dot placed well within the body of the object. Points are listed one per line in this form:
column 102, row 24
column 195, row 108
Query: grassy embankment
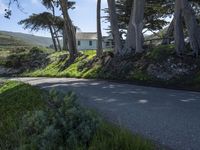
column 130, row 69
column 57, row 61
column 40, row 62
column 34, row 119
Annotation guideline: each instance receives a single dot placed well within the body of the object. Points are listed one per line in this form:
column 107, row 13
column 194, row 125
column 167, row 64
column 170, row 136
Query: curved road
column 169, row 117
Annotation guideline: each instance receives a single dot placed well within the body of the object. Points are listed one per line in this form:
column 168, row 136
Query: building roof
column 86, row 36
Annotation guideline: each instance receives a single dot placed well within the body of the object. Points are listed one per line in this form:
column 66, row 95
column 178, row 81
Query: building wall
column 85, row 44
column 107, row 44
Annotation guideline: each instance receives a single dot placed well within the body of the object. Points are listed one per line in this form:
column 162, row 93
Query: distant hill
column 18, row 39
column 8, row 41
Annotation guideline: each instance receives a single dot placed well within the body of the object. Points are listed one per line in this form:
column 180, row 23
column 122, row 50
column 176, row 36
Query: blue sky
column 84, row 16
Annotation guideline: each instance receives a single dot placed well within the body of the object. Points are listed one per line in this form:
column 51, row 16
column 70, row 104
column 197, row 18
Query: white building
column 88, row 41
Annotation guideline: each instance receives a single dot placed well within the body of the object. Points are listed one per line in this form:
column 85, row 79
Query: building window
column 90, row 43
column 79, row 43
column 107, row 44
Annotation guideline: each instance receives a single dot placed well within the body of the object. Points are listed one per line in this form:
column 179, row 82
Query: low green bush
column 36, row 50
column 27, row 59
column 14, row 61
column 63, row 124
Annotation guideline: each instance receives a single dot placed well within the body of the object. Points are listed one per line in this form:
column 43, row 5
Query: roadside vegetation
column 57, row 68
column 34, row 119
column 31, row 118
column 158, row 67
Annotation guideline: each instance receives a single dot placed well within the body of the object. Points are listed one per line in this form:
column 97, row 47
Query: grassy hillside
column 17, row 47
column 56, row 68
column 10, row 41
column 158, row 67
column 11, row 38
column 15, row 60
column 9, row 45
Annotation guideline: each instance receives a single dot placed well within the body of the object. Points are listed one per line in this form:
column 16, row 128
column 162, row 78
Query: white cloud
column 2, row 7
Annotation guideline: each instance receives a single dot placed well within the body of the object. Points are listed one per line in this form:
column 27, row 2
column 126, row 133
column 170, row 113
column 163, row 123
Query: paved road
column 169, row 117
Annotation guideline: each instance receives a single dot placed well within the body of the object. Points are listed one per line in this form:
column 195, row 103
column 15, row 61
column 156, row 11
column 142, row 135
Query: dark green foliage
column 161, row 53
column 26, row 59
column 50, row 121
column 41, row 21
column 63, row 124
column 155, row 14
column 36, row 50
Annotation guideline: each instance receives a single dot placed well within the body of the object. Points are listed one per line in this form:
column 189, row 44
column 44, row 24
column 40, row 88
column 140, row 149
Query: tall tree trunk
column 192, row 26
column 99, row 33
column 57, row 39
column 130, row 44
column 53, row 38
column 135, row 38
column 115, row 27
column 178, row 28
column 65, row 47
column 69, row 30
column 137, row 21
column 53, row 27
column 167, row 37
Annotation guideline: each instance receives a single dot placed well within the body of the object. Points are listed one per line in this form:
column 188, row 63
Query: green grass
column 17, row 99
column 90, row 53
column 55, row 67
column 160, row 53
column 111, row 137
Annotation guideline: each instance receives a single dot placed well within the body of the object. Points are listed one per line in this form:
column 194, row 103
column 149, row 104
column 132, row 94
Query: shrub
column 13, row 61
column 161, row 53
column 36, row 50
column 64, row 124
column 82, row 65
column 20, row 50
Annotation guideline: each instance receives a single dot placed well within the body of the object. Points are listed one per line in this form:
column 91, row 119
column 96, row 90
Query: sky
column 83, row 16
